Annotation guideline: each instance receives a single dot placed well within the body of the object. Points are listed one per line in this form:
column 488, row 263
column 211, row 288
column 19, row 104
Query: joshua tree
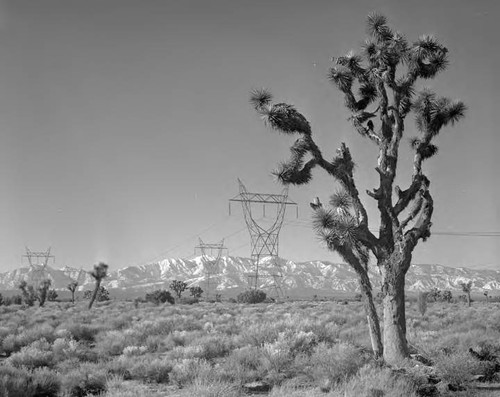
column 379, row 87
column 72, row 288
column 196, row 292
column 178, row 287
column 28, row 293
column 100, row 271
column 466, row 287
column 52, row 295
column 43, row 290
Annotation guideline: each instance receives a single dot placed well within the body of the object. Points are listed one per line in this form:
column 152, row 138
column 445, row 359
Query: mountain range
column 231, row 275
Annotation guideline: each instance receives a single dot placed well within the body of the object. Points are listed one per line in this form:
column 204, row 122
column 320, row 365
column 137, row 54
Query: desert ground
column 301, row 348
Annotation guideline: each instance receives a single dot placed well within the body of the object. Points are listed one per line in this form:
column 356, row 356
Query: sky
column 124, row 125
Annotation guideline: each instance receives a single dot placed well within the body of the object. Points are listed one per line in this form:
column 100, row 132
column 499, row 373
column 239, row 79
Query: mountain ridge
column 232, row 275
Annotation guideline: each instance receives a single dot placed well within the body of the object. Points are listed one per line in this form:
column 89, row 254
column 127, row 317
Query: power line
column 307, row 224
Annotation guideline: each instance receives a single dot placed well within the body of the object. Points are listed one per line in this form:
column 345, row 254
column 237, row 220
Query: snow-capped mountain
column 232, row 274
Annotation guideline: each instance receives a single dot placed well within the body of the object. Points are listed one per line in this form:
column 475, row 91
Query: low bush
column 160, row 296
column 457, row 368
column 84, row 381
column 252, row 296
column 19, row 382
column 37, row 354
column 330, row 365
column 83, row 333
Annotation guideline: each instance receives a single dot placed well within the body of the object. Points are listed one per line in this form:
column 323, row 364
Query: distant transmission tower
column 210, row 261
column 38, row 263
column 264, row 241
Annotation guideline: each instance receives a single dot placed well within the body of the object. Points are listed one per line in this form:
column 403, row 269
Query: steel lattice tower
column 38, row 263
column 210, row 261
column 264, row 240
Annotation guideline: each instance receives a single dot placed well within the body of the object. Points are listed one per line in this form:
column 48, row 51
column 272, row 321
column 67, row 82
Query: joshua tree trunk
column 94, row 294
column 396, row 347
column 468, row 298
column 73, row 297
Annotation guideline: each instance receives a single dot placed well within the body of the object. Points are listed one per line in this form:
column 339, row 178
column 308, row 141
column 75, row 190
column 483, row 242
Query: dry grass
column 298, row 348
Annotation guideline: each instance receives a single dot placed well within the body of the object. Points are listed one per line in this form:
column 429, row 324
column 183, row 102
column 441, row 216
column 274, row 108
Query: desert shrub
column 251, row 296
column 13, row 300
column 374, row 381
column 82, row 332
column 242, row 366
column 37, row 354
column 15, row 382
column 149, row 370
column 84, row 381
column 19, row 382
column 13, row 343
column 113, row 343
column 187, row 370
column 64, row 348
column 160, row 296
column 334, row 364
column 211, row 388
column 188, row 300
column 214, row 346
column 456, row 368
column 46, row 383
column 102, row 294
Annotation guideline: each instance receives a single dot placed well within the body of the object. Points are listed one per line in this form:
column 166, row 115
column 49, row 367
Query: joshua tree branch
column 422, row 228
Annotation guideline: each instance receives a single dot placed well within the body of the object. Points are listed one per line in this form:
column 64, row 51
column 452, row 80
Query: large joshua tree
column 379, row 86
column 100, row 271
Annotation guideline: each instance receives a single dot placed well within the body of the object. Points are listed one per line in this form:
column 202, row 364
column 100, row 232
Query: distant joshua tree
column 100, row 271
column 52, row 295
column 28, row 293
column 379, row 87
column 178, row 287
column 422, row 302
column 466, row 287
column 43, row 291
column 72, row 288
column 196, row 292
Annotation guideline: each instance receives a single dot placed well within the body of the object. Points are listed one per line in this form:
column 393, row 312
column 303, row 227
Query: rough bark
column 394, row 271
column 396, row 346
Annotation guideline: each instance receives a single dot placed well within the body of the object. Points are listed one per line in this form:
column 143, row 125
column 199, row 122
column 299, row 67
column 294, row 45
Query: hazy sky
column 124, row 125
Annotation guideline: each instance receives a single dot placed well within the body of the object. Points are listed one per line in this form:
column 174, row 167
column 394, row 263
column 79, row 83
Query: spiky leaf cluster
column 432, row 113
column 338, row 228
column 100, row 271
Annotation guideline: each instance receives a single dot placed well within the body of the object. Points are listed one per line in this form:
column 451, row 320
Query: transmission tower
column 210, row 261
column 38, row 265
column 264, row 240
